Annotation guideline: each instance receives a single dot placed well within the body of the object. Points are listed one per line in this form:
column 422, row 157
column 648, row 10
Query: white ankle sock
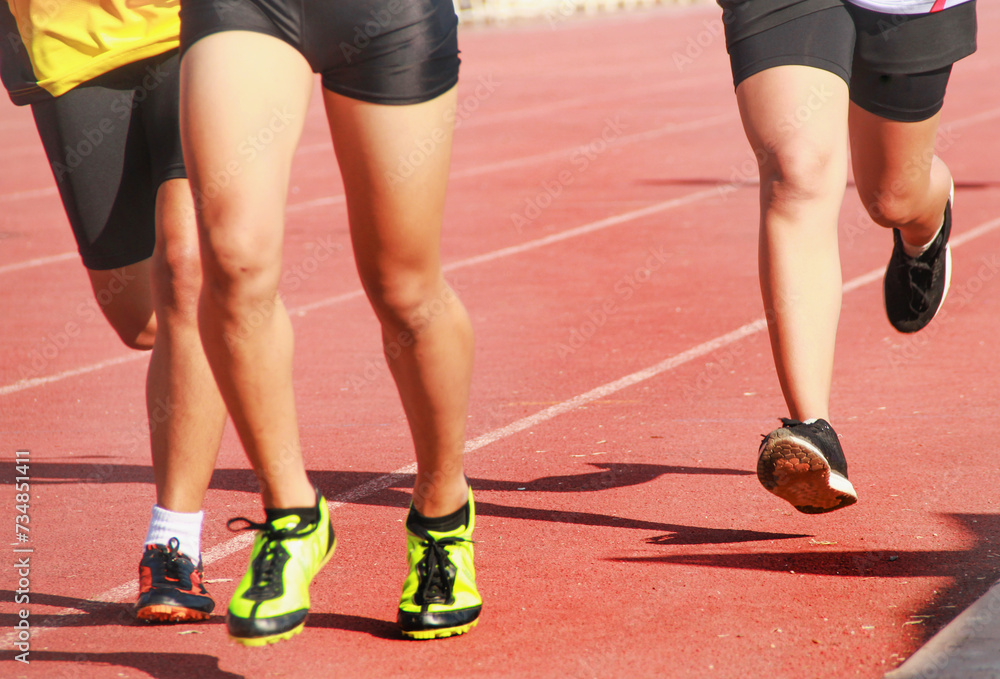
column 185, row 526
column 915, row 251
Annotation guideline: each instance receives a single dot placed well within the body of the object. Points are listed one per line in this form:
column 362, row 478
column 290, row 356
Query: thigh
column 395, row 161
column 901, row 71
column 892, row 159
column 792, row 94
column 244, row 97
column 795, row 118
column 96, row 146
column 126, row 300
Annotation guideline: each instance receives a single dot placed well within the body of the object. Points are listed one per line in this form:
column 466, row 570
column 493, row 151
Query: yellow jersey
column 51, row 46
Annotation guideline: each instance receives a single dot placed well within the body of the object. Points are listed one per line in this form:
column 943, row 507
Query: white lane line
column 31, row 383
column 468, row 122
column 588, row 228
column 534, row 244
column 538, row 158
column 40, row 261
column 514, row 163
column 316, row 202
column 127, row 590
column 303, row 309
column 28, row 194
column 637, row 137
column 327, row 201
column 981, row 117
column 466, row 119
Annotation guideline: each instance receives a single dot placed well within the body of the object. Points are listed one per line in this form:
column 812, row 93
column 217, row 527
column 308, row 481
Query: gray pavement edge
column 967, row 648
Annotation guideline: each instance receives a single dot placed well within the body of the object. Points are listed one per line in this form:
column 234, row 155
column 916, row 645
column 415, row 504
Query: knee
column 408, row 302
column 800, row 172
column 891, row 207
column 240, row 269
column 123, row 296
column 177, row 271
column 135, row 331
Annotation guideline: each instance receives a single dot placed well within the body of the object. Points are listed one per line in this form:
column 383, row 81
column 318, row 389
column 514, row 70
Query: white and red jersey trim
column 907, row 6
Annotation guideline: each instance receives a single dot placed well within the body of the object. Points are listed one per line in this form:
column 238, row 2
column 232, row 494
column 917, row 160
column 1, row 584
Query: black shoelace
column 436, row 570
column 176, row 566
column 269, row 564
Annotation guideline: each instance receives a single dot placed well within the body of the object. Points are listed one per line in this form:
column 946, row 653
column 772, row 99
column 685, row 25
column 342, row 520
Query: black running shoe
column 915, row 287
column 170, row 586
column 805, row 465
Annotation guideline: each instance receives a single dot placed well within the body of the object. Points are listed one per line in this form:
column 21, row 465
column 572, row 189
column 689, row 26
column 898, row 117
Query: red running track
column 601, row 228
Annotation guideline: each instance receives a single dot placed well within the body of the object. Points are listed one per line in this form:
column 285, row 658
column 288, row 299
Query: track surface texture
column 601, row 228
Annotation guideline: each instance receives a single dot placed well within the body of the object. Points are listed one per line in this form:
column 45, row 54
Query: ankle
column 434, row 500
column 440, row 524
column 914, row 250
column 165, row 524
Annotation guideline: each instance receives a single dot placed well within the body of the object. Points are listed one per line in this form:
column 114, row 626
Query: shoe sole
column 440, row 633
column 797, row 471
column 947, row 253
column 275, row 638
column 947, row 277
column 264, row 641
column 168, row 613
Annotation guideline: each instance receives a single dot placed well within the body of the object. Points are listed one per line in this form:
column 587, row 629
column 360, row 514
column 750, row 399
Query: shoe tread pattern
column 796, row 471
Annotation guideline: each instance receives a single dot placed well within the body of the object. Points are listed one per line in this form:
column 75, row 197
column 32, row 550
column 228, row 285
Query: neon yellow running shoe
column 272, row 600
column 439, row 595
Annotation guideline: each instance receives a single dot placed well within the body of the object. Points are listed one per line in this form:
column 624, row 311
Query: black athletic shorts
column 380, row 51
column 897, row 66
column 111, row 142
